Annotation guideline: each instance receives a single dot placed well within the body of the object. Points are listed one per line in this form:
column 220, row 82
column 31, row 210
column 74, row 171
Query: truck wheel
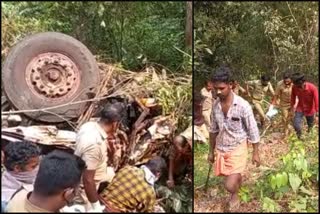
column 50, row 69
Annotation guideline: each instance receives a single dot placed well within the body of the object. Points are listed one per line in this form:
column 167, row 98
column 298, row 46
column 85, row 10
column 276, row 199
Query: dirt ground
column 271, row 148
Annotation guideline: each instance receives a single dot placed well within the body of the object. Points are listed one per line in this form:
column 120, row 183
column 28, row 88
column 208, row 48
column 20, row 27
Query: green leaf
column 281, row 179
column 295, row 181
column 270, row 205
column 284, row 179
column 306, row 175
column 284, row 189
column 299, row 205
column 273, row 182
column 245, row 198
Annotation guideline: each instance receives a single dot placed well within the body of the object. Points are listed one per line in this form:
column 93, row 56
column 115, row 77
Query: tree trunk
column 189, row 24
column 313, row 45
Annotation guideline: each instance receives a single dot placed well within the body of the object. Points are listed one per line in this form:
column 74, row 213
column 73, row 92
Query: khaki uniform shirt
column 283, row 93
column 91, row 146
column 259, row 90
column 207, row 103
column 21, row 203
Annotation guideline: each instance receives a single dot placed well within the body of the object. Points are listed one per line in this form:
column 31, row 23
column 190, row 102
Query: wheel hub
column 52, row 76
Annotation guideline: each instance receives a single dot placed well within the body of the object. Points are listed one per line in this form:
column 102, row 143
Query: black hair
column 19, row 153
column 207, row 81
column 182, row 140
column 156, row 165
column 112, row 112
column 265, row 78
column 222, row 74
column 298, row 78
column 58, row 170
column 286, row 75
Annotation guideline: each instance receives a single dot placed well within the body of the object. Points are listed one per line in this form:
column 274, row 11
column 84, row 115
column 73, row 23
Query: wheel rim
column 53, row 77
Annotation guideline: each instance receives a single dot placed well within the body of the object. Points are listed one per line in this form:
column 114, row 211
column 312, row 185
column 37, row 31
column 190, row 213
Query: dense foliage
column 133, row 34
column 256, row 38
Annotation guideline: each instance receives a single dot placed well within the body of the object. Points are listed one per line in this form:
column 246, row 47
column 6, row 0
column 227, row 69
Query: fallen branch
column 264, row 132
column 199, row 187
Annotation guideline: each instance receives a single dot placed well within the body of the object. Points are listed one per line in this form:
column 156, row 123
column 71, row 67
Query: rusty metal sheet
column 45, row 135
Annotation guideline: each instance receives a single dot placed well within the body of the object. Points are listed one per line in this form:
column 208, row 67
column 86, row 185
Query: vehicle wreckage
column 52, row 84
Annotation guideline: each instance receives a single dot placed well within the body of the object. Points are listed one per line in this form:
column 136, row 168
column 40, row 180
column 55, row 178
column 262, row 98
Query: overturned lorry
column 52, row 84
column 53, row 79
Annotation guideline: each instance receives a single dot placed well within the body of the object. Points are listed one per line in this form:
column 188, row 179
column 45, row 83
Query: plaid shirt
column 239, row 125
column 116, row 150
column 129, row 191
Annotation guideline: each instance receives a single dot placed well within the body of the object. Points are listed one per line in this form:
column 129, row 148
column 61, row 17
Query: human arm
column 252, row 132
column 89, row 150
column 170, row 181
column 214, row 130
column 276, row 95
column 255, row 154
column 248, row 84
column 90, row 186
column 271, row 89
column 293, row 98
column 242, row 90
column 212, row 145
column 316, row 98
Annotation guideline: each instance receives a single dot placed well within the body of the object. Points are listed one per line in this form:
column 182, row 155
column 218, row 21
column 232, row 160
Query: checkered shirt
column 129, row 191
column 238, row 126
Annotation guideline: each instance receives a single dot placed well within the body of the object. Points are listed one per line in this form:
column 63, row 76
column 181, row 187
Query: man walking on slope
column 260, row 89
column 283, row 93
column 308, row 104
column 233, row 124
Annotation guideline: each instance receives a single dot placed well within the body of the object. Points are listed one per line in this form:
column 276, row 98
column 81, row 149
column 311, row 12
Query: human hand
column 271, row 106
column 170, row 183
column 256, row 159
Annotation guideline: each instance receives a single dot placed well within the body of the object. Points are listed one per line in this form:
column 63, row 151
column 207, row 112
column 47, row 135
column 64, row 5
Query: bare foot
column 233, row 204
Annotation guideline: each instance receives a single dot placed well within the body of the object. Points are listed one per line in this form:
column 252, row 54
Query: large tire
column 24, row 92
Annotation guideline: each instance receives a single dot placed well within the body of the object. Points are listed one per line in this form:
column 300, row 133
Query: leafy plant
column 131, row 33
column 244, row 194
column 270, row 205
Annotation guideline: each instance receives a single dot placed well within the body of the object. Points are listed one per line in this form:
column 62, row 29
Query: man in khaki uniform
column 206, row 93
column 283, row 93
column 91, row 145
column 259, row 89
